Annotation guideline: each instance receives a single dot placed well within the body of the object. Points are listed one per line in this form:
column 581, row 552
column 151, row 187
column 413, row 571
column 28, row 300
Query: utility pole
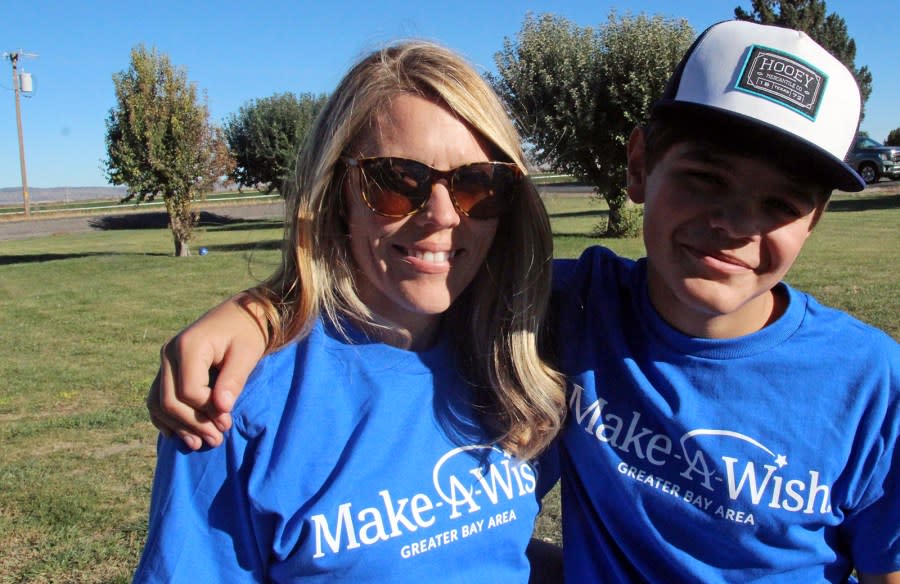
column 14, row 59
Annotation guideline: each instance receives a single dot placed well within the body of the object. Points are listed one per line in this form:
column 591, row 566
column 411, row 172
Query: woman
column 376, row 440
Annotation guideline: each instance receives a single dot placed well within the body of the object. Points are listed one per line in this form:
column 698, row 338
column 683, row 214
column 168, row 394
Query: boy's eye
column 703, row 178
column 783, row 207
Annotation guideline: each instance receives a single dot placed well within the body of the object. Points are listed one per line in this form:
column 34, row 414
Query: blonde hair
column 499, row 321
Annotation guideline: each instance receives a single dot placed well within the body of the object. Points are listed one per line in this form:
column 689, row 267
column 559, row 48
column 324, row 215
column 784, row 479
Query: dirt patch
column 116, row 449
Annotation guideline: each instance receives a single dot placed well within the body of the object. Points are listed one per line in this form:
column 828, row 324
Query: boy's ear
column 637, row 168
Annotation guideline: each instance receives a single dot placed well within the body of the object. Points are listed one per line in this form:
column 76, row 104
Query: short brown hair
column 728, row 135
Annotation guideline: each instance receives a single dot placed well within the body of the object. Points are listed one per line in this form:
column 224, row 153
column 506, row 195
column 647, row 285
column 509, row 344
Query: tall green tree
column 893, row 138
column 265, row 136
column 810, row 16
column 159, row 140
column 576, row 93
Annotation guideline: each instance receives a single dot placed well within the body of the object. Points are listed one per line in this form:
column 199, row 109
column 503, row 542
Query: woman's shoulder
column 326, row 373
column 267, row 390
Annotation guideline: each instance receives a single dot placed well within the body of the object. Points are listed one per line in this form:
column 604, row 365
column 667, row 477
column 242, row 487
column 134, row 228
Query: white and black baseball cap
column 776, row 80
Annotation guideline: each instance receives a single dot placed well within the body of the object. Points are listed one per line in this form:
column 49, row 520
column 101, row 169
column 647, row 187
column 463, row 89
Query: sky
column 236, row 52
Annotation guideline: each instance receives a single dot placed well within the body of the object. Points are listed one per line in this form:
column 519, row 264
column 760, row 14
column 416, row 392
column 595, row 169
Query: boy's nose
column 737, row 217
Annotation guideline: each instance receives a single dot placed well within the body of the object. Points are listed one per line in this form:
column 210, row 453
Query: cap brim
column 834, row 172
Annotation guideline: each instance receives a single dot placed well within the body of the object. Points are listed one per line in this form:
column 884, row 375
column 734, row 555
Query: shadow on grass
column 579, row 214
column 573, row 235
column 252, row 246
column 877, row 202
column 160, row 220
column 248, row 225
column 8, row 260
column 549, row 186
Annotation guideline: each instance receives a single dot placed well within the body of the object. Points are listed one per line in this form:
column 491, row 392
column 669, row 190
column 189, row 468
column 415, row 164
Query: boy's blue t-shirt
column 351, row 461
column 771, row 457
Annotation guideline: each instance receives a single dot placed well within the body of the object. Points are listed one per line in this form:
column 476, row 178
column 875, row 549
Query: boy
column 722, row 425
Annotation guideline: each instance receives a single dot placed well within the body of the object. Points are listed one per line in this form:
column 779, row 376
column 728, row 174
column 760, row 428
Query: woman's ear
column 637, row 168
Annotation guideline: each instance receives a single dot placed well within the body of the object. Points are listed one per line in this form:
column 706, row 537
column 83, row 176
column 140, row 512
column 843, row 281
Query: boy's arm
column 203, row 369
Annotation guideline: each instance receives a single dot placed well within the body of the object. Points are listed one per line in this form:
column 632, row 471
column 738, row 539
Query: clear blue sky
column 239, row 51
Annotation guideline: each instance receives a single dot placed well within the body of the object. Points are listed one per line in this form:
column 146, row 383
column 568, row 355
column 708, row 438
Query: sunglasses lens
column 483, row 190
column 395, row 187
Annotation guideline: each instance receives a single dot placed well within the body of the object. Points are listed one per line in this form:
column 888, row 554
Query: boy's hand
column 202, row 371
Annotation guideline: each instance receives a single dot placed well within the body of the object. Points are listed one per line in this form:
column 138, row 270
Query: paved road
column 41, row 226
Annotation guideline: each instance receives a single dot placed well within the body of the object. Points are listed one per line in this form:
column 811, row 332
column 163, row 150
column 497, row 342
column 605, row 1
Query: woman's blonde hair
column 498, row 323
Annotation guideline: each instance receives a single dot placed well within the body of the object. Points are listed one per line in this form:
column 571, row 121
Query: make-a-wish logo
column 710, row 465
column 497, row 481
column 696, row 461
column 473, row 487
column 758, row 481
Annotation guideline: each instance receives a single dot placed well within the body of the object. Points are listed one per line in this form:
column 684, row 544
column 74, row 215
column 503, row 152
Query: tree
column 266, row 135
column 576, row 93
column 809, row 16
column 159, row 140
column 893, row 138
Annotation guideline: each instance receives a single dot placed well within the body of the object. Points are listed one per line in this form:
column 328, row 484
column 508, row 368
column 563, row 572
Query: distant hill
column 13, row 195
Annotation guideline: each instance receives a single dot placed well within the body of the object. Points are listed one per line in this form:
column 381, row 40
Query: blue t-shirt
column 771, row 457
column 351, row 461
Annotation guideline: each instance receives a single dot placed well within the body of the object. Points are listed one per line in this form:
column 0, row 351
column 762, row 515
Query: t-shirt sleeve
column 200, row 526
column 547, row 466
column 874, row 528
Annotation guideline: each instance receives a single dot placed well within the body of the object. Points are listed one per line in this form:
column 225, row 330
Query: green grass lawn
column 83, row 317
